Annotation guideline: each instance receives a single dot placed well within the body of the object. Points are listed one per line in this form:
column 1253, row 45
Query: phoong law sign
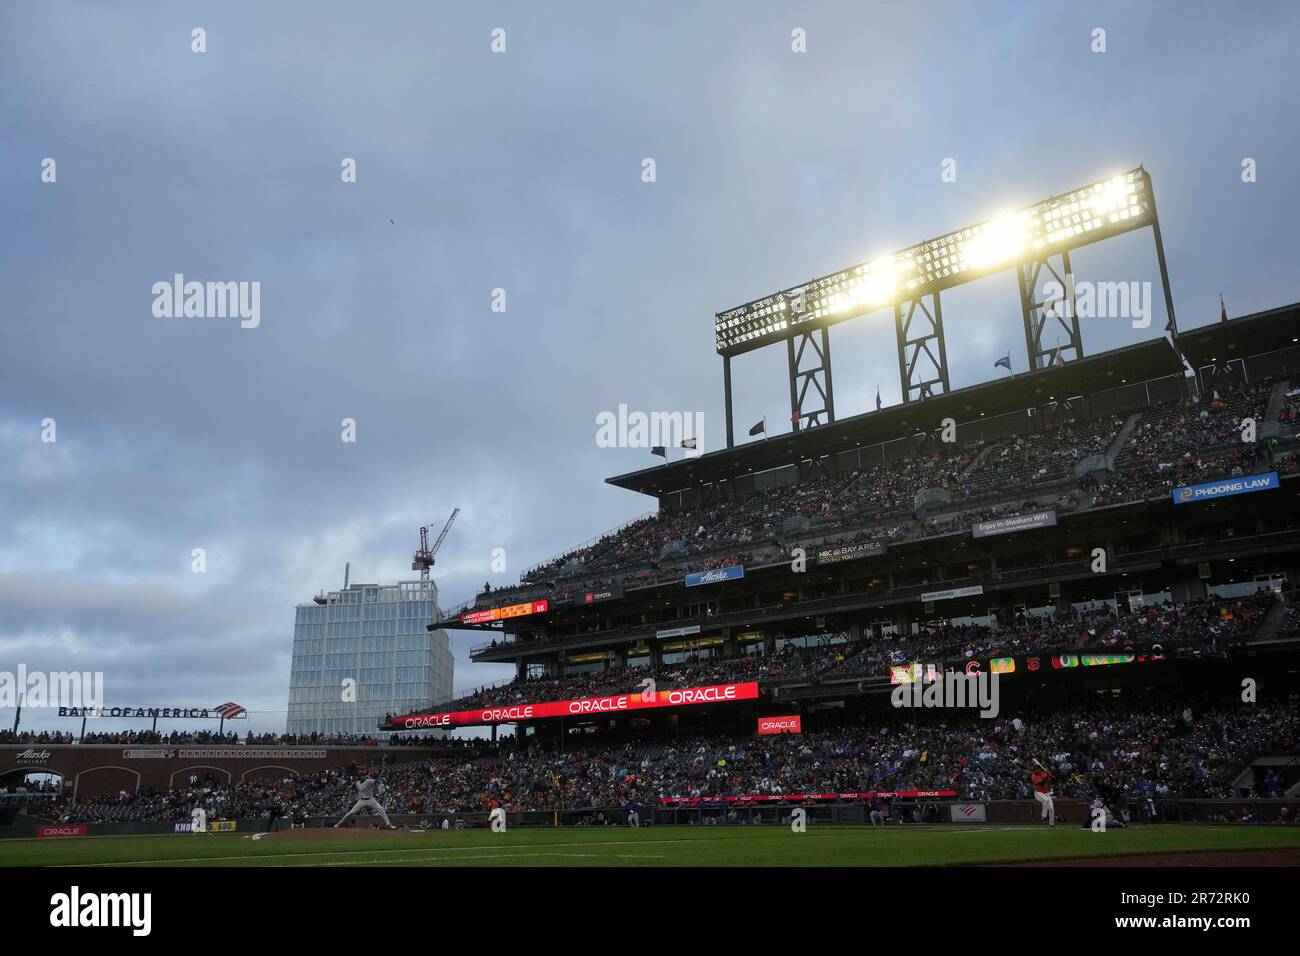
column 614, row 704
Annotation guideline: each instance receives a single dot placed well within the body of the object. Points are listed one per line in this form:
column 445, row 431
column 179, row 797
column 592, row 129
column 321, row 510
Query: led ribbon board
column 613, row 704
column 503, row 613
column 1089, row 214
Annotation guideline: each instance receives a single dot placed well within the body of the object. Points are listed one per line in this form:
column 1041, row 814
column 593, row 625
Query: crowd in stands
column 1049, row 456
column 29, row 737
column 210, row 738
column 1289, row 414
column 1202, row 627
column 1171, row 443
column 790, row 661
column 1207, row 627
column 1290, row 623
column 1169, row 430
column 1142, row 747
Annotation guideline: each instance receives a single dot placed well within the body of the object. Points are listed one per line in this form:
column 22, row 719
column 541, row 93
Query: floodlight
column 1082, row 216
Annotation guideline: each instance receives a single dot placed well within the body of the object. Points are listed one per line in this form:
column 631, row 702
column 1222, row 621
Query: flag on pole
column 1223, row 309
column 877, row 398
column 688, row 442
column 759, row 428
column 1005, row 362
column 660, row 451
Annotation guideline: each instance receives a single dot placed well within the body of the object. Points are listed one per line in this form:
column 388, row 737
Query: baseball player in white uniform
column 367, row 788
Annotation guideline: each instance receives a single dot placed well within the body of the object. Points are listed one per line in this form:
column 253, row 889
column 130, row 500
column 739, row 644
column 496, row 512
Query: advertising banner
column 850, row 552
column 157, row 713
column 968, row 813
column 1026, row 522
column 504, row 613
column 1029, row 663
column 802, row 797
column 65, row 830
column 678, row 631
column 780, row 725
column 606, row 594
column 1206, row 490
column 617, row 703
column 716, row 576
column 952, row 593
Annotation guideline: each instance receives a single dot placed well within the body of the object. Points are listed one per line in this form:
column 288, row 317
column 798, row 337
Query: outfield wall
column 90, row 770
column 1004, row 812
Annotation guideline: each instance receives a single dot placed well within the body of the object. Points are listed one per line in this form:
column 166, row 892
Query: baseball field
column 1164, row 845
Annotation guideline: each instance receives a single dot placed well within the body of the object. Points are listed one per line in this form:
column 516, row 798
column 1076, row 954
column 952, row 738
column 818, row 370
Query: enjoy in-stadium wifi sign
column 616, row 703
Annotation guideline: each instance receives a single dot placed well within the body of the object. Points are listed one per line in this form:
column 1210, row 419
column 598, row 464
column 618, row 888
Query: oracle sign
column 68, row 830
column 780, row 725
column 617, row 703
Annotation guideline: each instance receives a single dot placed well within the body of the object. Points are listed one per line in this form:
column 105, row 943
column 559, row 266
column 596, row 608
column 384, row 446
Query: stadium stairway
column 1267, row 630
column 1121, row 439
column 979, row 460
column 1271, row 427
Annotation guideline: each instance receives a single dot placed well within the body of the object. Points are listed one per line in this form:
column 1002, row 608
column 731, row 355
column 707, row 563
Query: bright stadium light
column 1097, row 211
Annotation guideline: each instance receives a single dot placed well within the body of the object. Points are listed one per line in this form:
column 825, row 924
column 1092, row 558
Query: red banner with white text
column 802, row 797
column 614, row 704
column 780, row 725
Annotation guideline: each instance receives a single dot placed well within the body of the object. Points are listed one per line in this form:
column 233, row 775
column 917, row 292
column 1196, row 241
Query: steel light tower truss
column 1031, row 241
column 922, row 353
column 1042, row 315
column 810, row 367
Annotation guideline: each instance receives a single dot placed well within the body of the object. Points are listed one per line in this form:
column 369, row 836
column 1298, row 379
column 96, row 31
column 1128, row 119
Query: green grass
column 650, row 846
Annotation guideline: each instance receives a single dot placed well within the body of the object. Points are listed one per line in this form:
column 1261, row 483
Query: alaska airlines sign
column 716, row 576
column 615, row 704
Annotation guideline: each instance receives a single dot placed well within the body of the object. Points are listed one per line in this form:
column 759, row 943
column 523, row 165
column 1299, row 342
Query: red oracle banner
column 67, row 830
column 618, row 703
column 780, row 725
column 502, row 613
column 801, row 797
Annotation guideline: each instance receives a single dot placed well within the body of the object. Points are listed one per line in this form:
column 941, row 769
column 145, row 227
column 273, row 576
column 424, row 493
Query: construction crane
column 423, row 559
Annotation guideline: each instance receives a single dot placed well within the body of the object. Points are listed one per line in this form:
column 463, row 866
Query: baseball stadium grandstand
column 1105, row 549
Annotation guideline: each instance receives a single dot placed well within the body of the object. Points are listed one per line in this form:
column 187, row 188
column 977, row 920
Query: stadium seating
column 1171, row 443
column 1148, row 746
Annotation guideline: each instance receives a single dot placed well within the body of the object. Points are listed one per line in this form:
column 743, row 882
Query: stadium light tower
column 1031, row 240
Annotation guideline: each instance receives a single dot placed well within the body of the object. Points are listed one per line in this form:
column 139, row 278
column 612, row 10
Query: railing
column 456, row 610
column 586, row 544
column 918, row 531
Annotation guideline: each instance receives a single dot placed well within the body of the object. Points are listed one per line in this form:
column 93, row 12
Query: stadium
column 1102, row 551
column 778, row 438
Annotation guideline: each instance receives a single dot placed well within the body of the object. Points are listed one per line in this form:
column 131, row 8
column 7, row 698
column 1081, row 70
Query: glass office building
column 373, row 635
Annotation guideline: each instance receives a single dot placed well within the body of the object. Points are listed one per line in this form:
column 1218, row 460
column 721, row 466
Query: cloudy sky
column 519, row 170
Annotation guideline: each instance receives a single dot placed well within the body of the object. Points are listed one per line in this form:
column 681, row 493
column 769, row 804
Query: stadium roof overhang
column 1134, row 363
column 1217, row 344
